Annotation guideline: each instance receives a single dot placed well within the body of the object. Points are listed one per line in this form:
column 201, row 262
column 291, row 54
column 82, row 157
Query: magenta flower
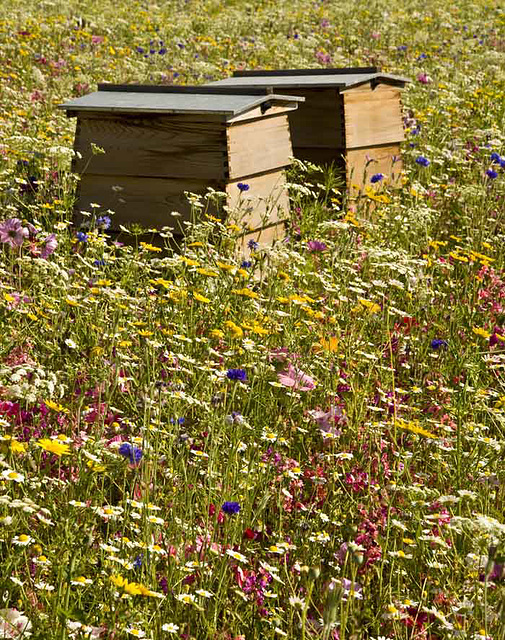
column 296, row 379
column 12, row 232
column 49, row 245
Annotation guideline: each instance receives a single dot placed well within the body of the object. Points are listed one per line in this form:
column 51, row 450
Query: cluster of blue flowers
column 230, row 508
column 134, row 454
column 236, row 374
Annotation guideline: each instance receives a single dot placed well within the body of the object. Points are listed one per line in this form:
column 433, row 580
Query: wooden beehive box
column 351, row 117
column 161, row 142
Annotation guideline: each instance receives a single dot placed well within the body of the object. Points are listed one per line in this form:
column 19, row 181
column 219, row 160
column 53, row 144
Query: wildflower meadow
column 205, row 439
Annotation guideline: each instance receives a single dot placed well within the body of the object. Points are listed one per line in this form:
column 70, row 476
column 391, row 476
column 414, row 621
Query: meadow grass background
column 303, row 442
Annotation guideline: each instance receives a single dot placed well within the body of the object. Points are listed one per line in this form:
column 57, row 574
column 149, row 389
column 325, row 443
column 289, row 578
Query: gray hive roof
column 151, row 99
column 309, row 78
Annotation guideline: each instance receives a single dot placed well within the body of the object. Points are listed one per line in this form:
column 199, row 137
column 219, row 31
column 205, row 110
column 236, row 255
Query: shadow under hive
column 161, row 142
column 351, row 117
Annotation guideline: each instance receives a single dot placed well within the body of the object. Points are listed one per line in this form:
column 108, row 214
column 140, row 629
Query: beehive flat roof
column 152, row 99
column 308, row 78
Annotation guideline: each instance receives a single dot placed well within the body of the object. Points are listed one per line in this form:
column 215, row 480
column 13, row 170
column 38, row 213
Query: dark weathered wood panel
column 258, row 146
column 155, row 147
column 320, row 155
column 372, row 117
column 319, row 121
column 148, row 201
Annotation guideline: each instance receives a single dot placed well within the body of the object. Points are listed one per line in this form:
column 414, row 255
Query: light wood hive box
column 351, row 117
column 161, row 142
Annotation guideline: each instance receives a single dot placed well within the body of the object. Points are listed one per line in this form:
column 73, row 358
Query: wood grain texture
column 372, row 117
column 319, row 121
column 152, row 147
column 266, row 202
column 147, row 201
column 362, row 164
column 320, row 155
column 264, row 237
column 258, row 146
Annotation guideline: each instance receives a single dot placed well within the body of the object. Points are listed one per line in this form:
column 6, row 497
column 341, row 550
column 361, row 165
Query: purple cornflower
column 243, row 186
column 437, row 343
column 491, row 173
column 12, row 232
column 236, row 374
column 422, row 161
column 49, row 245
column 129, row 451
column 377, row 177
column 230, row 508
column 103, row 222
column 316, row 245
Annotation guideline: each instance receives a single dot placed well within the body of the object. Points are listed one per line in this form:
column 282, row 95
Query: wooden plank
column 155, row 147
column 266, row 202
column 261, row 112
column 258, row 146
column 372, row 118
column 363, row 163
column 147, row 201
column 319, row 121
column 263, row 237
column 320, row 155
column 304, row 72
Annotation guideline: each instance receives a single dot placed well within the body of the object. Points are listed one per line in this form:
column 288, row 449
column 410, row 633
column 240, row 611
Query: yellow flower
column 207, row 272
column 53, row 446
column 17, row 447
column 415, row 428
column 189, row 262
column 371, row 306
column 201, row 298
column 234, row 329
column 217, row 333
column 149, row 247
column 248, row 293
column 481, row 332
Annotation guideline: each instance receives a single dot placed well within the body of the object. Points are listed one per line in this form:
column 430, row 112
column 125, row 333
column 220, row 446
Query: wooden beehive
column 161, row 142
column 350, row 117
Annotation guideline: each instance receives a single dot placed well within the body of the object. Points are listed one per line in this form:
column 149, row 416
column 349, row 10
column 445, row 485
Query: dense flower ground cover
column 305, row 441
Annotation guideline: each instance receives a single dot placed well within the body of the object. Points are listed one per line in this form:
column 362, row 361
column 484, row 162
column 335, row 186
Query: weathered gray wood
column 145, row 201
column 155, row 147
column 227, row 104
column 279, row 81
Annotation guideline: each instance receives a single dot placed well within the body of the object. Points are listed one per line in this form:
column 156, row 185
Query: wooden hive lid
column 310, row 78
column 228, row 102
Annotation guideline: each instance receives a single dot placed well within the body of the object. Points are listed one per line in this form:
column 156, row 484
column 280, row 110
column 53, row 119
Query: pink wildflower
column 12, row 232
column 296, row 379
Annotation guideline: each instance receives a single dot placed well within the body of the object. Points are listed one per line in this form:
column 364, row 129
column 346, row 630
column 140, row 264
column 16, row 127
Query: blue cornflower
column 103, row 222
column 422, row 161
column 129, row 451
column 81, row 236
column 377, row 177
column 137, row 563
column 236, row 374
column 230, row 508
column 437, row 343
column 491, row 173
column 496, row 158
column 246, row 264
column 242, row 186
column 253, row 245
column 99, row 263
